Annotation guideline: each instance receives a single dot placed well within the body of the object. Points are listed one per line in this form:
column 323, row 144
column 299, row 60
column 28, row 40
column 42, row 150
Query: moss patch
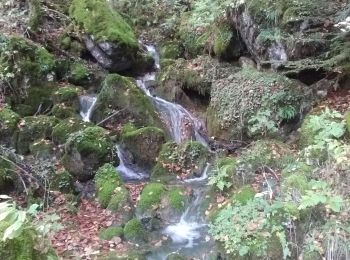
column 62, row 130
column 111, row 232
column 243, row 195
column 62, row 181
column 101, row 21
column 177, row 199
column 8, row 125
column 134, row 231
column 108, row 184
column 79, row 74
column 62, row 111
column 69, row 95
column 151, row 196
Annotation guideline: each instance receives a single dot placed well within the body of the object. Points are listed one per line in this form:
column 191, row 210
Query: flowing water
column 189, row 235
column 87, row 104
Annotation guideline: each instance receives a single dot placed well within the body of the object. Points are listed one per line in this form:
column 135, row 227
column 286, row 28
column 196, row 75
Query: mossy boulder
column 7, row 176
column 42, row 148
column 151, row 196
column 347, row 119
column 34, row 128
column 171, row 50
column 109, row 185
column 243, row 195
column 68, row 95
column 62, row 181
column 24, row 246
column 250, row 103
column 119, row 93
column 79, row 74
column 87, row 150
column 144, row 144
column 63, row 129
column 110, row 40
column 111, row 232
column 24, row 63
column 175, row 256
column 38, row 99
column 62, row 111
column 134, row 231
column 185, row 160
column 8, row 126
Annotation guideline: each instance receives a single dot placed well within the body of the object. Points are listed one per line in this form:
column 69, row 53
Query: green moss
column 151, row 196
column 111, row 232
column 79, row 74
column 148, row 139
column 295, row 182
column 119, row 93
column 24, row 60
column 6, row 175
column 62, row 111
column 175, row 256
column 170, row 50
column 23, row 246
column 243, row 195
column 188, row 157
column 35, row 14
column 101, row 21
column 34, row 128
column 297, row 168
column 41, row 148
column 108, row 183
column 8, row 125
column 347, row 119
column 68, row 95
column 134, row 231
column 62, row 181
column 119, row 199
column 62, row 130
column 37, row 97
column 177, row 198
column 92, row 139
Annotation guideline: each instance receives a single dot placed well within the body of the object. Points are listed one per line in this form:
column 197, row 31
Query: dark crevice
column 308, row 76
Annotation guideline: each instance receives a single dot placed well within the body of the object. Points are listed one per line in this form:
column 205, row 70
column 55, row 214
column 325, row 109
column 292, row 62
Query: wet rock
column 119, row 93
column 148, row 139
column 85, row 151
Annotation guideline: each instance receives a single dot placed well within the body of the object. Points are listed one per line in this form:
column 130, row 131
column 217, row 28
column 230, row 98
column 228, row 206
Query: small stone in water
column 207, row 238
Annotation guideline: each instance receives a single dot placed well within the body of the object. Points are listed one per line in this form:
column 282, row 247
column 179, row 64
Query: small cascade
column 127, row 170
column 87, row 104
column 182, row 125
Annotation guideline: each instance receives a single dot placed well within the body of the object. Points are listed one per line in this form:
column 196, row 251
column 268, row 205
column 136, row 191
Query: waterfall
column 87, row 104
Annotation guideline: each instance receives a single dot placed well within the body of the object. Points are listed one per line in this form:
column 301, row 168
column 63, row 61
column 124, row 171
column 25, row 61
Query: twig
column 109, row 117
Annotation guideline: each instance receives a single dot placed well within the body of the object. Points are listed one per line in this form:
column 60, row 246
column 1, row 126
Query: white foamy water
column 87, row 104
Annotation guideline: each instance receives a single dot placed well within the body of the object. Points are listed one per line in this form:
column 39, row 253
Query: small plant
column 262, row 124
column 221, row 176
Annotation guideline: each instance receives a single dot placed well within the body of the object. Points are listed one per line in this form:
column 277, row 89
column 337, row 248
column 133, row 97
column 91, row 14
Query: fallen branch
column 109, row 117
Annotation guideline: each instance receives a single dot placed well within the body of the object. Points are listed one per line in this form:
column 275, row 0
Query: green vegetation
column 111, row 232
column 151, row 196
column 62, row 130
column 62, row 181
column 8, row 125
column 177, row 198
column 108, row 185
column 101, row 21
column 134, row 231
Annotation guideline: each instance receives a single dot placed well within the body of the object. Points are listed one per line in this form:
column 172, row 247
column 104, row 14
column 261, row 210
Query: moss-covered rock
column 99, row 20
column 42, row 148
column 79, row 74
column 62, row 111
column 144, row 144
column 251, row 103
column 63, row 129
column 134, row 231
column 68, row 95
column 23, row 247
column 170, row 50
column 7, row 176
column 62, row 181
column 37, row 100
column 34, row 128
column 177, row 199
column 186, row 160
column 24, row 63
column 111, row 232
column 8, row 125
column 121, row 93
column 86, row 150
column 175, row 256
column 108, row 185
column 151, row 196
column 243, row 195
column 347, row 119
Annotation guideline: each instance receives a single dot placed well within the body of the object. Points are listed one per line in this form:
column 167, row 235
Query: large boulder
column 34, row 128
column 186, row 160
column 252, row 103
column 119, row 93
column 63, row 129
column 86, row 151
column 138, row 141
column 110, row 40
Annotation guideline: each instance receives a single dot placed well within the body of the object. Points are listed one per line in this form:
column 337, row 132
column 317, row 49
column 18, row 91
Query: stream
column 188, row 236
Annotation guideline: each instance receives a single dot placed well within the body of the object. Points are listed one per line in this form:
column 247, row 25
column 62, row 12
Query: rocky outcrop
column 110, row 40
